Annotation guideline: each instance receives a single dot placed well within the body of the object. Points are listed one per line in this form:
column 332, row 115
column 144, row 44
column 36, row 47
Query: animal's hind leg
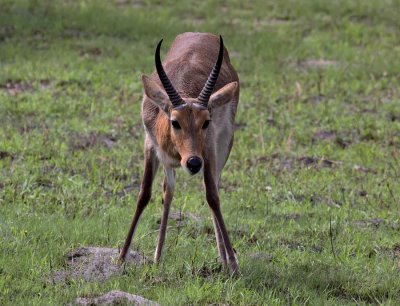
column 150, row 168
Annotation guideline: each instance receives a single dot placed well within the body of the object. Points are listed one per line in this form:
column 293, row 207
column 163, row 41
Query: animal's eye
column 176, row 124
column 206, row 123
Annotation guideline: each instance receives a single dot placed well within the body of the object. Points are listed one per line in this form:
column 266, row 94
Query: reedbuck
column 188, row 111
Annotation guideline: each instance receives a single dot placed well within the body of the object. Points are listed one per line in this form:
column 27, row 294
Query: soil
column 86, row 141
column 95, row 264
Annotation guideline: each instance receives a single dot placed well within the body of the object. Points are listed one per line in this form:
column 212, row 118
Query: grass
column 312, row 182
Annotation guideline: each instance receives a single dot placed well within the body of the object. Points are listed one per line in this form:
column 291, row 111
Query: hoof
column 233, row 266
column 234, row 269
column 121, row 258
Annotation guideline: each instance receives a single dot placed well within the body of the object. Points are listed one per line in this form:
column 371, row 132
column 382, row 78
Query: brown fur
column 188, row 65
column 162, row 130
column 189, row 140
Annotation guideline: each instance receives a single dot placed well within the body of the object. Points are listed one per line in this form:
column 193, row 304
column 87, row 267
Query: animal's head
column 189, row 118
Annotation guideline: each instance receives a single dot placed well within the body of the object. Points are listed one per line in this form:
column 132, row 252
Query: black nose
column 194, row 164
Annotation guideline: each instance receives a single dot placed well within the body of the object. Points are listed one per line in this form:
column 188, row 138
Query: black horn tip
column 221, row 47
column 158, row 48
column 212, row 78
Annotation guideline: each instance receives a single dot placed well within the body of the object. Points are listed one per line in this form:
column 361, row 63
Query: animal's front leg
column 214, row 203
column 169, row 186
column 150, row 169
column 220, row 241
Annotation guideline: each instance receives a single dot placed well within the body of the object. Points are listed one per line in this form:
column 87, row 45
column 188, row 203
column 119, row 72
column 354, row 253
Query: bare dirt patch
column 375, row 222
column 15, row 87
column 86, row 141
column 115, row 297
column 325, row 135
column 343, row 138
column 278, row 162
column 316, row 161
column 95, row 264
column 45, row 84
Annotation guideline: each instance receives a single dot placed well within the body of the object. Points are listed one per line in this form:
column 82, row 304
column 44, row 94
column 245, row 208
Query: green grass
column 71, row 140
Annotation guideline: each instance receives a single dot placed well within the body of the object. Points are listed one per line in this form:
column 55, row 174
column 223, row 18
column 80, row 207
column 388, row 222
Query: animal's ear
column 223, row 96
column 155, row 93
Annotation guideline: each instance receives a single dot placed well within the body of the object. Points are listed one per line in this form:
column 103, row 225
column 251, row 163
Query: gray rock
column 115, row 297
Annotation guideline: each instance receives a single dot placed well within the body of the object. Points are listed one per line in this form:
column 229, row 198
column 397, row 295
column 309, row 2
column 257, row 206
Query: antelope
column 189, row 123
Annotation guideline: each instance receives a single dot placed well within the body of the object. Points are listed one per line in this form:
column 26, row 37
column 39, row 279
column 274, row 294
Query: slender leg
column 169, row 185
column 214, row 203
column 150, row 169
column 218, row 235
column 220, row 241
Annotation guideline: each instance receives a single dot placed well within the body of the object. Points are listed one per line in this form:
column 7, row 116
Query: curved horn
column 212, row 79
column 173, row 95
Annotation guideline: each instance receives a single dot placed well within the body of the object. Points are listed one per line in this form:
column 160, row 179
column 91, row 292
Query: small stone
column 115, row 297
